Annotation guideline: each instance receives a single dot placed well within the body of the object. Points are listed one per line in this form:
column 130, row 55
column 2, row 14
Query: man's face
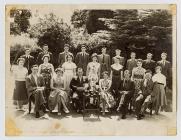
column 79, row 72
column 104, row 50
column 118, row 52
column 126, row 74
column 163, row 56
column 133, row 55
column 66, row 49
column 27, row 52
column 45, row 48
column 149, row 56
column 34, row 70
column 83, row 49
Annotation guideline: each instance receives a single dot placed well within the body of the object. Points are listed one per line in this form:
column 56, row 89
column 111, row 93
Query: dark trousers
column 78, row 101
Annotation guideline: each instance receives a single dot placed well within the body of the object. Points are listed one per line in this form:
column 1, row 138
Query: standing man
column 149, row 64
column 29, row 60
column 82, row 59
column 41, row 54
column 63, row 55
column 166, row 68
column 121, row 59
column 132, row 62
column 104, row 60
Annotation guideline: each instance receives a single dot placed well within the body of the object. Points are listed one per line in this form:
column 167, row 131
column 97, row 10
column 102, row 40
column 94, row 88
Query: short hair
column 158, row 67
column 20, row 59
column 103, row 48
column 34, row 66
column 46, row 56
column 70, row 55
column 118, row 50
column 27, row 49
column 83, row 45
column 150, row 54
column 139, row 60
column 148, row 71
column 67, row 45
column 45, row 45
column 59, row 69
column 132, row 53
column 126, row 71
column 164, row 53
column 105, row 72
column 94, row 55
column 79, row 68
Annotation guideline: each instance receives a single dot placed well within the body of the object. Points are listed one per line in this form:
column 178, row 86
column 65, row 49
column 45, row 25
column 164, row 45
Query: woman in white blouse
column 159, row 90
column 20, row 95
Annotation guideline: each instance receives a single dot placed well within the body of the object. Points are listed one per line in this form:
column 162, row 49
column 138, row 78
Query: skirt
column 67, row 79
column 109, row 98
column 55, row 98
column 20, row 92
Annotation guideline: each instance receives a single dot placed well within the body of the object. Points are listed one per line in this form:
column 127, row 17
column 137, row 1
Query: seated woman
column 159, row 97
column 142, row 99
column 58, row 97
column 126, row 91
column 107, row 100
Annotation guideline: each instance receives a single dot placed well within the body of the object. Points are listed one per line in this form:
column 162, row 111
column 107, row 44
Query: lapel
column 33, row 80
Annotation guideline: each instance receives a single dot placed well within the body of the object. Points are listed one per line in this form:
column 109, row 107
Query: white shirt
column 160, row 78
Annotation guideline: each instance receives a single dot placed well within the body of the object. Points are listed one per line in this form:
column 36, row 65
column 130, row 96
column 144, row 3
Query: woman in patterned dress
column 58, row 97
column 46, row 70
column 138, row 75
column 20, row 95
column 93, row 69
column 107, row 100
column 69, row 69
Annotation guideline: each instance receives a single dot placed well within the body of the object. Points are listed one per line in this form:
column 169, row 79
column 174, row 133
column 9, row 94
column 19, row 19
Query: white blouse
column 160, row 78
column 20, row 74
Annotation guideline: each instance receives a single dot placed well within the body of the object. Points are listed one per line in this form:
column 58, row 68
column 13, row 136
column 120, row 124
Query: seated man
column 126, row 91
column 77, row 85
column 144, row 96
column 35, row 87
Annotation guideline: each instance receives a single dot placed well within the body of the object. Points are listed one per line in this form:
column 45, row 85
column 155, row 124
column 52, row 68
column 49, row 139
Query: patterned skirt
column 108, row 98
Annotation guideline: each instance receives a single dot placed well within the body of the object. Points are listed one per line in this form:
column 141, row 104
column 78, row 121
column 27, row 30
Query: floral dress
column 93, row 71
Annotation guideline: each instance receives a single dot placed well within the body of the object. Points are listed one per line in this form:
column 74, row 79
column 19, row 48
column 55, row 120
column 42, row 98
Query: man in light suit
column 63, row 55
column 35, row 86
column 29, row 60
column 121, row 59
column 41, row 54
column 132, row 62
column 104, row 60
column 82, row 59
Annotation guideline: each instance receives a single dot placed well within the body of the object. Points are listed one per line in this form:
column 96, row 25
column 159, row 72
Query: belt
column 160, row 83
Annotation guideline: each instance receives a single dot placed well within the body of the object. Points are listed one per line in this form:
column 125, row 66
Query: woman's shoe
column 66, row 111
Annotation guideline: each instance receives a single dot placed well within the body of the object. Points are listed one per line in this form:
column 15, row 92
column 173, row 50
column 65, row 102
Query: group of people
column 122, row 85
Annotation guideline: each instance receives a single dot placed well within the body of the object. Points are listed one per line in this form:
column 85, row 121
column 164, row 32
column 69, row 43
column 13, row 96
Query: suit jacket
column 148, row 89
column 149, row 65
column 40, row 56
column 62, row 59
column 127, row 86
column 28, row 61
column 31, row 85
column 75, row 82
column 105, row 62
column 122, row 60
column 131, row 64
column 166, row 69
column 82, row 61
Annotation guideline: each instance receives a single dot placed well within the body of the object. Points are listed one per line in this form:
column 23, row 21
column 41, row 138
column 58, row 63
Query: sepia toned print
column 91, row 70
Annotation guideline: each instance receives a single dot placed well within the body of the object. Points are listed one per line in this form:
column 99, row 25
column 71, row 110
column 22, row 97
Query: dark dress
column 116, row 80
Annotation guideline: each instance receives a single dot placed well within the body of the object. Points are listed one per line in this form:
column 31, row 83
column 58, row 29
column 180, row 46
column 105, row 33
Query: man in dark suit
column 35, row 86
column 121, row 59
column 149, row 64
column 126, row 93
column 63, row 55
column 82, row 59
column 104, row 60
column 131, row 63
column 41, row 54
column 77, row 85
column 29, row 60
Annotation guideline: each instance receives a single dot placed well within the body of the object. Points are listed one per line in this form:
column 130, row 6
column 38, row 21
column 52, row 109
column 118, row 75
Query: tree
column 52, row 31
column 21, row 21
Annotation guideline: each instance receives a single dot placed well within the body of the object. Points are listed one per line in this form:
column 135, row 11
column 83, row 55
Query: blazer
column 122, row 60
column 105, row 63
column 82, row 61
column 148, row 89
column 166, row 69
column 149, row 65
column 31, row 84
column 28, row 61
column 131, row 64
column 61, row 58
column 127, row 86
column 40, row 56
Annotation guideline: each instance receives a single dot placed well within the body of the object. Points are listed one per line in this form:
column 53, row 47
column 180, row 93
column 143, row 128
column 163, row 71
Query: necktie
column 103, row 59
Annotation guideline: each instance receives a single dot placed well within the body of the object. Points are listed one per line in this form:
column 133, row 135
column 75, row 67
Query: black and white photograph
column 90, row 70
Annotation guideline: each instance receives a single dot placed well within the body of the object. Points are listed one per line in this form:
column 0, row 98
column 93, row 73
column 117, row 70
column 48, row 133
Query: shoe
column 139, row 117
column 37, row 114
column 59, row 114
column 118, row 109
column 55, row 110
column 142, row 115
column 106, row 111
column 66, row 111
column 123, row 117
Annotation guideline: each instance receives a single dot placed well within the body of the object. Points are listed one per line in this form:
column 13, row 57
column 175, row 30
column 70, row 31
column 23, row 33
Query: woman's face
column 139, row 64
column 59, row 73
column 158, row 71
column 105, row 76
column 46, row 59
column 21, row 63
column 94, row 59
column 69, row 58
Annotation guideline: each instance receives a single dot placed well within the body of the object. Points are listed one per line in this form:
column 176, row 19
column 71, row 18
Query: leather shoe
column 37, row 115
